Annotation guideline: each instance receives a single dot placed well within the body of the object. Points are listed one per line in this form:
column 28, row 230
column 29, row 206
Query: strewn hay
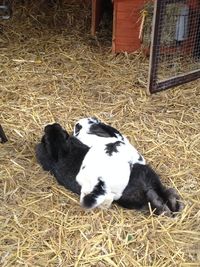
column 52, row 70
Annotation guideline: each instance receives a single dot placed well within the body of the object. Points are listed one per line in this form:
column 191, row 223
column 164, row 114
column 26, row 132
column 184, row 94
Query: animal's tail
column 94, row 198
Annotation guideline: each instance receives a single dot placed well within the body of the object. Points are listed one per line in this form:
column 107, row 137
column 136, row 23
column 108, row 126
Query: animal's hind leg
column 162, row 199
column 166, row 203
column 157, row 203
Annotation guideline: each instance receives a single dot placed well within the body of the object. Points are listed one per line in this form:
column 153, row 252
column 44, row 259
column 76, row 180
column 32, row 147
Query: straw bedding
column 52, row 70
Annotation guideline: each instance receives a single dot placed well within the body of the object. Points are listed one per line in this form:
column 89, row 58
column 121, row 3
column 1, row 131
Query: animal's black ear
column 52, row 127
column 55, row 129
column 103, row 130
column 55, row 140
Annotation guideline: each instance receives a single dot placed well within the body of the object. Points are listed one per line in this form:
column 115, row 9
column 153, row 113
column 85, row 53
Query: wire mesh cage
column 175, row 47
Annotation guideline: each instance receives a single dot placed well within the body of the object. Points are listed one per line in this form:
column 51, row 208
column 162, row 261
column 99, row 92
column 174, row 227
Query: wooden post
column 3, row 137
column 96, row 15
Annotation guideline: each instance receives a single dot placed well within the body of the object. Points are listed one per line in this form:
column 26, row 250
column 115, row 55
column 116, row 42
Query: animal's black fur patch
column 78, row 127
column 103, row 130
column 55, row 139
column 112, row 147
column 62, row 155
column 90, row 200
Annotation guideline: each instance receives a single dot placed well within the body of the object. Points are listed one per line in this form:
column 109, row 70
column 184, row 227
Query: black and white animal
column 65, row 157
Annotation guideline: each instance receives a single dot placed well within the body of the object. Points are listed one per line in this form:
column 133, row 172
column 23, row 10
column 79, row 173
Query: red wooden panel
column 126, row 25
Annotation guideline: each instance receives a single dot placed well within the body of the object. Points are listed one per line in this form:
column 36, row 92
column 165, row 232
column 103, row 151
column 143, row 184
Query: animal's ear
column 55, row 129
column 55, row 140
column 52, row 127
column 103, row 130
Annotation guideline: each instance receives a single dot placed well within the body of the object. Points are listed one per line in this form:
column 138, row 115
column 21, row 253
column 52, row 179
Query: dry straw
column 52, row 70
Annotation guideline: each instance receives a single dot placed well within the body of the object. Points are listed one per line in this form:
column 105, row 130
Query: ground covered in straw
column 52, row 70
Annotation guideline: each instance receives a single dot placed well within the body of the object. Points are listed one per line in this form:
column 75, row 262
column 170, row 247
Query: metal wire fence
column 175, row 45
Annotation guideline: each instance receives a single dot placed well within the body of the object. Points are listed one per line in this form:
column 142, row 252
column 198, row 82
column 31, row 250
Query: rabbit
column 64, row 156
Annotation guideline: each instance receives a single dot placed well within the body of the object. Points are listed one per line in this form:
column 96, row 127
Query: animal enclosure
column 175, row 48
column 51, row 70
column 173, row 37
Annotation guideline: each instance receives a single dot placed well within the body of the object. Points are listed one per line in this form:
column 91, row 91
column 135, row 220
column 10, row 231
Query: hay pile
column 52, row 70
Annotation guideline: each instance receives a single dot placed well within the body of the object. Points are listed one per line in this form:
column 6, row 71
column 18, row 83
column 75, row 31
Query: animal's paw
column 173, row 200
column 107, row 203
column 167, row 202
